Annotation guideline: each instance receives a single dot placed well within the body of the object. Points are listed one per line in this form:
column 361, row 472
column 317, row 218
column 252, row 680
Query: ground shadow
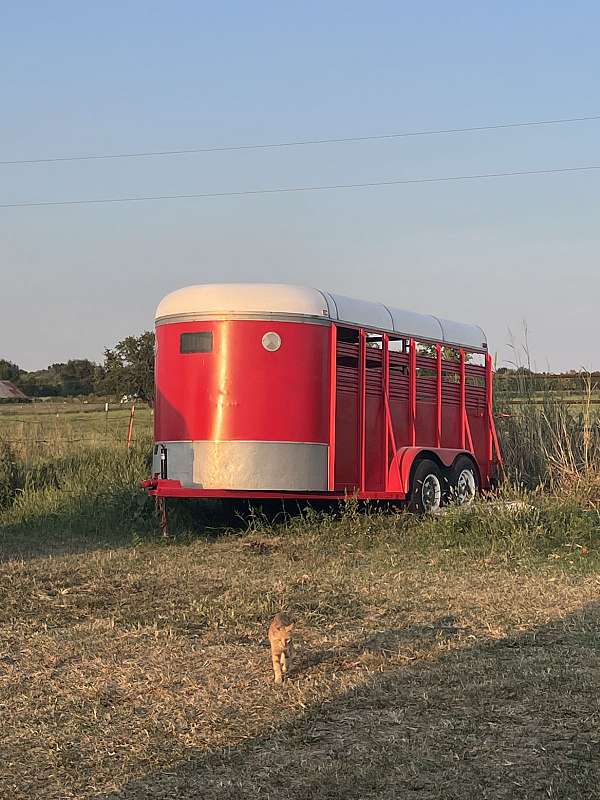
column 387, row 641
column 511, row 718
column 84, row 522
column 80, row 522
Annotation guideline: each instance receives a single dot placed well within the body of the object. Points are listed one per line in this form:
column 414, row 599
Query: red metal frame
column 493, row 444
column 438, row 395
column 466, row 438
column 390, row 485
column 463, row 399
column 167, row 488
column 387, row 428
column 362, row 402
column 412, row 392
column 332, row 406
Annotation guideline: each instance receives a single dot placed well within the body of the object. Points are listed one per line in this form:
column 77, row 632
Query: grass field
column 449, row 657
column 60, row 423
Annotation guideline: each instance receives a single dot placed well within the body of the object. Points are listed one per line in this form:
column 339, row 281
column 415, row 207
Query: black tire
column 426, row 488
column 464, row 481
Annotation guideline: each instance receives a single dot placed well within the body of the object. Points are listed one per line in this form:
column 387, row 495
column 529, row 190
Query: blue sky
column 132, row 76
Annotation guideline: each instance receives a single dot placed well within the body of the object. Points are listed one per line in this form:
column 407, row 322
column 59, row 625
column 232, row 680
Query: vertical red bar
column 332, row 405
column 412, row 393
column 438, row 396
column 386, row 394
column 463, row 400
column 489, row 380
column 362, row 363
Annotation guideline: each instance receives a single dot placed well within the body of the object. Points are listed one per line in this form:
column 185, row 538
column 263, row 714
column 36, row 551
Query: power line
column 291, row 189
column 303, row 142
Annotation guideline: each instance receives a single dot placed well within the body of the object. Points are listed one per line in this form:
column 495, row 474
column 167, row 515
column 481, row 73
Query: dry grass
column 144, row 672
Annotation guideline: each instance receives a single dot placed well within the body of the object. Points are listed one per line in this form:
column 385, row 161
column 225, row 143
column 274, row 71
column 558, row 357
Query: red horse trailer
column 277, row 391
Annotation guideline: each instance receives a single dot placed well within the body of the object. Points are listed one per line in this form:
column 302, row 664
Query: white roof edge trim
column 282, row 299
column 251, row 298
column 333, row 312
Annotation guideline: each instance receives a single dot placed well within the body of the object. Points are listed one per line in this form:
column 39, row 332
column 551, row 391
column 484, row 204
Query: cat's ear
column 289, row 628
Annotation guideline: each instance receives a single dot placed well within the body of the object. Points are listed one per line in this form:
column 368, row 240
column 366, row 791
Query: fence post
column 130, row 428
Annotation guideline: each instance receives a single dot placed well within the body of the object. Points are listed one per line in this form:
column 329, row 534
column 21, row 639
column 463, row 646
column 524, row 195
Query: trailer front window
column 198, row 342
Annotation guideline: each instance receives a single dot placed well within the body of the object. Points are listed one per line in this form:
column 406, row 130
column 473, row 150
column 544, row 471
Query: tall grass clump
column 514, row 525
column 89, row 491
column 10, row 475
column 548, row 440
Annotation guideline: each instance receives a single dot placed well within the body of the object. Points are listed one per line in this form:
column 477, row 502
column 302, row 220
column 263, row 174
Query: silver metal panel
column 417, row 326
column 463, row 335
column 180, row 462
column 360, row 312
column 259, row 466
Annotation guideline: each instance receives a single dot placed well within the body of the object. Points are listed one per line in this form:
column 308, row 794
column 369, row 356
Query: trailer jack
column 161, row 513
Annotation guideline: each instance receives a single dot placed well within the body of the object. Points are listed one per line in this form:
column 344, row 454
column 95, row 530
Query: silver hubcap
column 465, row 487
column 431, row 493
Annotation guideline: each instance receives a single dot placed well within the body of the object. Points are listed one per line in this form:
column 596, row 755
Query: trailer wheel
column 464, row 481
column 426, row 492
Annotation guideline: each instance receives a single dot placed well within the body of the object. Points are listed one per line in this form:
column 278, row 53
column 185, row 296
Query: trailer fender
column 406, row 457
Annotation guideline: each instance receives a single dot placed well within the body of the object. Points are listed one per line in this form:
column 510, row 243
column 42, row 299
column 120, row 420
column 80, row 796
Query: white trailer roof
column 278, row 299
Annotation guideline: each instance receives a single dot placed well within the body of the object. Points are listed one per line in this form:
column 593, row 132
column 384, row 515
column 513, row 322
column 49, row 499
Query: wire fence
column 89, row 440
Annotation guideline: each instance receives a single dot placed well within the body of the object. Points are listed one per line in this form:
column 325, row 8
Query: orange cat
column 281, row 647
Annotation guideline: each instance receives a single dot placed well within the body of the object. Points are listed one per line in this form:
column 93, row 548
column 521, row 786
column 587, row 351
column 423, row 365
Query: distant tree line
column 524, row 379
column 127, row 369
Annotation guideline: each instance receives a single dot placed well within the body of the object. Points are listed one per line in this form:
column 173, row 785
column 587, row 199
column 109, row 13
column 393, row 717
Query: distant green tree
column 41, row 383
column 77, row 376
column 448, row 353
column 129, row 367
column 9, row 371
